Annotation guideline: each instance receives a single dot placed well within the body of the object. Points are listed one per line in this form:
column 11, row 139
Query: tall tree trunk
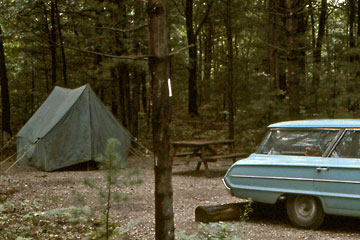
column 317, row 54
column 46, row 72
column 53, row 43
column 143, row 90
column 276, row 38
column 199, row 73
column 114, row 102
column 120, row 17
column 32, row 98
column 96, row 83
column 358, row 22
column 351, row 27
column 124, row 96
column 208, row 60
column 63, row 57
column 295, row 27
column 230, row 80
column 5, row 99
column 47, row 31
column 160, row 73
column 193, row 93
column 135, row 102
column 351, row 82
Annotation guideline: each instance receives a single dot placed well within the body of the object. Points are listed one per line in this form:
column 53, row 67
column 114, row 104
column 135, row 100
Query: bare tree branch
column 142, row 57
column 180, row 50
column 120, row 30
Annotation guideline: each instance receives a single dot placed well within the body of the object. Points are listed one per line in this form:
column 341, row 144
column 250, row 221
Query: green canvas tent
column 72, row 126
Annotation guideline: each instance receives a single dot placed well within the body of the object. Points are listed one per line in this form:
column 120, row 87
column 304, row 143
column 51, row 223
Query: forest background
column 236, row 66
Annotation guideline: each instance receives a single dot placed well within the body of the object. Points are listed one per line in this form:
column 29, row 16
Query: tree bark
column 208, row 60
column 276, row 42
column 143, row 91
column 114, row 101
column 317, row 54
column 192, row 78
column 295, row 27
column 47, row 31
column 5, row 99
column 63, row 57
column 135, row 102
column 351, row 27
column 124, row 94
column 160, row 73
column 351, row 81
column 53, row 43
column 230, row 77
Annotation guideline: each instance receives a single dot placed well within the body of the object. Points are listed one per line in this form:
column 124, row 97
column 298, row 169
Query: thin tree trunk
column 5, row 99
column 46, row 72
column 96, row 83
column 143, row 91
column 47, row 31
column 351, row 27
column 295, row 53
column 193, row 93
column 135, row 102
column 276, row 39
column 63, row 58
column 230, row 80
column 32, row 102
column 124, row 94
column 351, row 82
column 53, row 43
column 208, row 60
column 200, row 69
column 358, row 22
column 160, row 73
column 317, row 54
column 128, row 98
column 114, row 102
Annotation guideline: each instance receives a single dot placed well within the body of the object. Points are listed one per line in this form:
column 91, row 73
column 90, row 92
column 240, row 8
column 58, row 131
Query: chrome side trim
column 226, row 186
column 336, row 181
column 296, row 179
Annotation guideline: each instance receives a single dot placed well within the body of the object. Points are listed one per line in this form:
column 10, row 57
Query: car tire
column 305, row 211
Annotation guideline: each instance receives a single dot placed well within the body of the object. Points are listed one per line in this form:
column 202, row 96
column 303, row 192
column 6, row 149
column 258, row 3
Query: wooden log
column 226, row 212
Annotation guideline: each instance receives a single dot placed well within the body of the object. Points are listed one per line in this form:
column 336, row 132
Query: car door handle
column 322, row 169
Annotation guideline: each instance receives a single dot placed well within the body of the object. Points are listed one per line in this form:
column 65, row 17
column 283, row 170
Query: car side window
column 349, row 146
column 297, row 142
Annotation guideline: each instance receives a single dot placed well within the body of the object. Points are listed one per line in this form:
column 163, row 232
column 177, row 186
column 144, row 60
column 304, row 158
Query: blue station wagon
column 314, row 164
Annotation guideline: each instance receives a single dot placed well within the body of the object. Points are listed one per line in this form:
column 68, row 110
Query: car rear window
column 298, row 142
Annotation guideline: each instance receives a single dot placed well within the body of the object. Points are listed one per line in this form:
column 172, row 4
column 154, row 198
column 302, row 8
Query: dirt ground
column 49, row 190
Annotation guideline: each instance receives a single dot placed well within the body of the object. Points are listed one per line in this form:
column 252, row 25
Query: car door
column 337, row 177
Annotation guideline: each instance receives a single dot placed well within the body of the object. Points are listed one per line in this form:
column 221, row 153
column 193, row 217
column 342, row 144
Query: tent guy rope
column 21, row 157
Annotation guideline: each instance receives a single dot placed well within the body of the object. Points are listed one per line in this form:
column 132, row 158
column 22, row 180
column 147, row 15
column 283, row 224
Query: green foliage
column 27, row 220
column 116, row 232
column 113, row 166
column 247, row 211
column 212, row 231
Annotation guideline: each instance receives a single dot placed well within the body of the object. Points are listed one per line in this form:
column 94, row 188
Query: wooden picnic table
column 204, row 151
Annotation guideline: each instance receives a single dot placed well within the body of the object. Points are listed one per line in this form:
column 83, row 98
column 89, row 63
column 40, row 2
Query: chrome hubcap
column 305, row 207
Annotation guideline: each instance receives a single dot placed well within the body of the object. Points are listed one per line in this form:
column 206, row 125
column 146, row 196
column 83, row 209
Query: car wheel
column 305, row 211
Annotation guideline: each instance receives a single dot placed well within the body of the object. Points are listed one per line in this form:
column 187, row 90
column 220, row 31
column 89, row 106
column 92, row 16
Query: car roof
column 319, row 123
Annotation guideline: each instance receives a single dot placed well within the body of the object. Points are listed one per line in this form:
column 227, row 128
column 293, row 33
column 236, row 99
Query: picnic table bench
column 204, row 151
